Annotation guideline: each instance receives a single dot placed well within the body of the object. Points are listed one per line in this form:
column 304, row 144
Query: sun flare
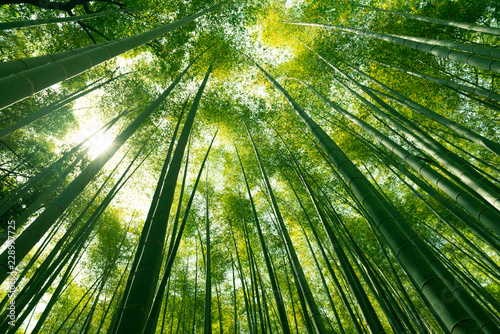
column 98, row 140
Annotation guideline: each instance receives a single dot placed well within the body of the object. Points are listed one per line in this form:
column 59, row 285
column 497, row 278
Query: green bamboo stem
column 235, row 304
column 207, row 314
column 40, row 22
column 147, row 222
column 183, row 299
column 20, row 85
column 491, row 106
column 362, row 211
column 17, row 65
column 304, row 286
column 193, row 327
column 140, row 298
column 289, row 288
column 75, row 230
column 155, row 309
column 479, row 49
column 171, row 258
column 461, row 25
column 39, row 251
column 460, row 170
column 165, row 304
column 107, row 272
column 277, row 296
column 461, row 130
column 483, row 213
column 439, row 51
column 473, row 90
column 40, row 113
column 472, row 157
column 451, row 312
column 219, row 308
column 39, row 227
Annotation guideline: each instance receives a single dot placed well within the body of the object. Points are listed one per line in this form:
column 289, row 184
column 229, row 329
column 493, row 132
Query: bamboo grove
column 252, row 167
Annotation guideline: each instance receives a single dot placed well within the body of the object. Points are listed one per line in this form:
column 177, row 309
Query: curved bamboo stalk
column 480, row 49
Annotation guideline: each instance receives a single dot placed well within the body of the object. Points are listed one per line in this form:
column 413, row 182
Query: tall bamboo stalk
column 299, row 273
column 451, row 312
column 480, row 211
column 140, row 297
column 29, row 237
column 420, row 109
column 207, row 314
column 461, row 25
column 277, row 296
column 452, row 85
column 439, row 51
column 39, row 22
column 20, row 85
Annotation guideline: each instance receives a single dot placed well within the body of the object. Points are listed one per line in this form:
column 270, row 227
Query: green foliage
column 235, row 35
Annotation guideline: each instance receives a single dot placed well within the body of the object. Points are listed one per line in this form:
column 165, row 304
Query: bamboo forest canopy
column 249, row 166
